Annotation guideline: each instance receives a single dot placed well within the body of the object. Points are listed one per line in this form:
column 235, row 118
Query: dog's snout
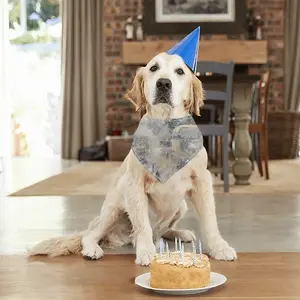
column 163, row 91
column 164, row 84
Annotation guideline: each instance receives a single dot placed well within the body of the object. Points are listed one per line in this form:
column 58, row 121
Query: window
column 34, row 75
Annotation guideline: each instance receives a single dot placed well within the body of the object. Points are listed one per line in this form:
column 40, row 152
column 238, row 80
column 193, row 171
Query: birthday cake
column 180, row 270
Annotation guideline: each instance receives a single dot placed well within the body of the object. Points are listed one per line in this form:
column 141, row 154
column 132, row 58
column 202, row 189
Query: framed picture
column 182, row 16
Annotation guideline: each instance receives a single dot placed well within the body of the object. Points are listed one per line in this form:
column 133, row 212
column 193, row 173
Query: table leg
column 242, row 146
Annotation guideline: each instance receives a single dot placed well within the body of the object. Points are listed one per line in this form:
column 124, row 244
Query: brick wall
column 273, row 14
column 120, row 113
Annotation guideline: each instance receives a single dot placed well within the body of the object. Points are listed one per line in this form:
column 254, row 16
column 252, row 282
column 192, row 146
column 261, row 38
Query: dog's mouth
column 163, row 98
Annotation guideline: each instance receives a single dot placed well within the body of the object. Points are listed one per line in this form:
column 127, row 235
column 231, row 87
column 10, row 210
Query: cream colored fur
column 124, row 217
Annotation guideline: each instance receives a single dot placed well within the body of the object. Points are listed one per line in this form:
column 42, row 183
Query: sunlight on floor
column 20, row 172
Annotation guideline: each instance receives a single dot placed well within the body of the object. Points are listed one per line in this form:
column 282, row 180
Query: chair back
column 259, row 113
column 218, row 68
column 263, row 95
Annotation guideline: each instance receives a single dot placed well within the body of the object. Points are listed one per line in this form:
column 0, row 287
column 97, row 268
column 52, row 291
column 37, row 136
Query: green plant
column 33, row 37
column 46, row 9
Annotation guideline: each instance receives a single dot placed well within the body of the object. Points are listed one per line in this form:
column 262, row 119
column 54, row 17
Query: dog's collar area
column 169, row 119
column 164, row 146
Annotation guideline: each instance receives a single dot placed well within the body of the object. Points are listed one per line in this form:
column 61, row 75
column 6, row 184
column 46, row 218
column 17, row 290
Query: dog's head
column 166, row 80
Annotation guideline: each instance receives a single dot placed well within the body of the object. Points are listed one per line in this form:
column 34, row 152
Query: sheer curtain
column 5, row 132
column 292, row 56
column 83, row 120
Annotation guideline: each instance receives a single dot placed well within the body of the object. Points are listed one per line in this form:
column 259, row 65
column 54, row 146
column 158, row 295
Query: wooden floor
column 254, row 276
column 250, row 223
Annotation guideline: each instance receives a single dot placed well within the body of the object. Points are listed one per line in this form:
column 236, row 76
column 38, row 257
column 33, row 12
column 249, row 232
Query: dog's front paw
column 222, row 251
column 185, row 235
column 144, row 256
column 92, row 252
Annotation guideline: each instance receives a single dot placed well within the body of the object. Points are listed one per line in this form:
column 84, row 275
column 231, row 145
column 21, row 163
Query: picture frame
column 227, row 18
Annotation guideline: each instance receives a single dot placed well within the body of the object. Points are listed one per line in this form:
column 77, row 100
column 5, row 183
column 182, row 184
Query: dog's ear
column 136, row 94
column 195, row 101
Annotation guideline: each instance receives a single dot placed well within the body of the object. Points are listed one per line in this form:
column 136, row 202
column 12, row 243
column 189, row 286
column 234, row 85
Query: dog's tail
column 58, row 246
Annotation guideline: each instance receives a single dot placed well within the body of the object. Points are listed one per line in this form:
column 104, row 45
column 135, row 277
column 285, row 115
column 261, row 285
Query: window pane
column 35, row 60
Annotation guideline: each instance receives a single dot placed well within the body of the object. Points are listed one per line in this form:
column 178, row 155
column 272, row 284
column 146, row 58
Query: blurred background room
column 65, row 126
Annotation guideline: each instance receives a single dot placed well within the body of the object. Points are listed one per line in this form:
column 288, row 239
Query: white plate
column 216, row 279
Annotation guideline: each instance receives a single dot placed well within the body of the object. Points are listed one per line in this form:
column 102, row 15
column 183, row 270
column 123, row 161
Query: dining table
column 241, row 110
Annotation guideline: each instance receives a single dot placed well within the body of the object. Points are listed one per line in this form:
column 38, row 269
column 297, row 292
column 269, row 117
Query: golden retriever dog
column 124, row 217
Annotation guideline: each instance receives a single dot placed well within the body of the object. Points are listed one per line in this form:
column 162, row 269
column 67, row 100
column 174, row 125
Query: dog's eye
column 154, row 68
column 179, row 71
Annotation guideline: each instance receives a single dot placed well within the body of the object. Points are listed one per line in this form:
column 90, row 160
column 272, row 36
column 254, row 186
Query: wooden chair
column 258, row 127
column 215, row 129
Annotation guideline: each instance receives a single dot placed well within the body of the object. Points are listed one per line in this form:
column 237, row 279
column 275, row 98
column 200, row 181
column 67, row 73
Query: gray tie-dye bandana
column 165, row 146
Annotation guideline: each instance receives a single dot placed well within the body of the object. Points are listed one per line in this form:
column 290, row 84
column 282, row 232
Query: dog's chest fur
column 166, row 197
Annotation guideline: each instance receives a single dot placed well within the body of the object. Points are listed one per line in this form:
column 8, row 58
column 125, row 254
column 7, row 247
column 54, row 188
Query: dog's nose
column 163, row 84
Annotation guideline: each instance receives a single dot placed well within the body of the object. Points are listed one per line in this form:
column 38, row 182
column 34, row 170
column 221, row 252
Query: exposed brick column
column 272, row 12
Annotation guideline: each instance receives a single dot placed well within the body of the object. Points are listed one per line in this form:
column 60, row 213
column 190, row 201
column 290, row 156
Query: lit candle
column 167, row 249
column 161, row 247
column 194, row 252
column 182, row 251
column 200, row 248
column 176, row 248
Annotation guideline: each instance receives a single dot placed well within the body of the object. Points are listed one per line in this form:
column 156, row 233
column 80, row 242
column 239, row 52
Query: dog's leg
column 100, row 227
column 170, row 232
column 136, row 205
column 202, row 198
column 161, row 227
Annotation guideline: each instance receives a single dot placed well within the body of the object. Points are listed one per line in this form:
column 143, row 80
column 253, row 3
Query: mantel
column 240, row 51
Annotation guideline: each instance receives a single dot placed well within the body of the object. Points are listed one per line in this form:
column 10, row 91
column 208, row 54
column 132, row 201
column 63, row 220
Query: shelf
column 239, row 51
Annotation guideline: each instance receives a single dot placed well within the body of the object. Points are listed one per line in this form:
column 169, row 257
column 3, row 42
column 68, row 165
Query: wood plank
column 240, row 51
column 253, row 276
column 237, row 78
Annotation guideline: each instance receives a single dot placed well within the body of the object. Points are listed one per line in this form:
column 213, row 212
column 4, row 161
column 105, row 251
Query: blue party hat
column 187, row 49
